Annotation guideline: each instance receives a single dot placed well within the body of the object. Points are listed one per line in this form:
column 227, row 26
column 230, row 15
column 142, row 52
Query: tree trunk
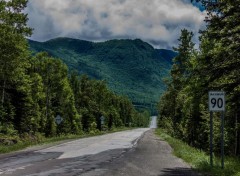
column 3, row 90
column 237, row 137
column 47, row 103
column 47, row 93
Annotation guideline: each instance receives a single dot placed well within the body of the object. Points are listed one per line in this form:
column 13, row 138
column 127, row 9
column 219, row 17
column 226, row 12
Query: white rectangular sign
column 216, row 100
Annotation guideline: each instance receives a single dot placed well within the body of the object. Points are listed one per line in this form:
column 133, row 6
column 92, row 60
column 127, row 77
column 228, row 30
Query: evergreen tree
column 180, row 74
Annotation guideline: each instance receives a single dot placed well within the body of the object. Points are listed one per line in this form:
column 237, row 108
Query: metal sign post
column 211, row 139
column 102, row 118
column 222, row 141
column 216, row 103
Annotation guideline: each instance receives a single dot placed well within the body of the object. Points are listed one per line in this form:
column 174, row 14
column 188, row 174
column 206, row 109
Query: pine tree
column 180, row 75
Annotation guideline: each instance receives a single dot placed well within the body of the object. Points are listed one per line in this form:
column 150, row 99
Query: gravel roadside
column 151, row 157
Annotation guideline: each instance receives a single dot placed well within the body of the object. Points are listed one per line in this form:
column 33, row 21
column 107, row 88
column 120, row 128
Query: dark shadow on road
column 178, row 172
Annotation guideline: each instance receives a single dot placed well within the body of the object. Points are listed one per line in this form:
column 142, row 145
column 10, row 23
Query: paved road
column 134, row 152
column 153, row 123
column 151, row 157
column 72, row 157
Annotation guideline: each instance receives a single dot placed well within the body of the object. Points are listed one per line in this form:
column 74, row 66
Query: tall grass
column 199, row 160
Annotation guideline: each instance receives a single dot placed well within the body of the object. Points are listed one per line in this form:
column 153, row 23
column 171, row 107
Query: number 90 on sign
column 216, row 101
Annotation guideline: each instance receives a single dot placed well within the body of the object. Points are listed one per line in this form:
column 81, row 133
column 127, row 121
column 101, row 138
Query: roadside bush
column 93, row 128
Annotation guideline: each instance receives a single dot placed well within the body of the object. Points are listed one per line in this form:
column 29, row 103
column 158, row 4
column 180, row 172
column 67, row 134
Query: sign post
column 102, row 118
column 222, row 140
column 216, row 103
column 211, row 139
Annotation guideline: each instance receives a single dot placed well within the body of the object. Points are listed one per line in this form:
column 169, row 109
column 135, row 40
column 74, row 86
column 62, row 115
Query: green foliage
column 214, row 67
column 130, row 67
column 94, row 100
column 57, row 98
column 34, row 89
column 93, row 128
column 175, row 98
column 14, row 82
column 199, row 160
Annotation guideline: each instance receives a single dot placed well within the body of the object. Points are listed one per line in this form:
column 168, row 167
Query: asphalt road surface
column 135, row 152
column 153, row 123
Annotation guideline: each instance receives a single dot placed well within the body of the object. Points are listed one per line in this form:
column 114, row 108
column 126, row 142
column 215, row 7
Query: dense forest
column 34, row 89
column 130, row 67
column 183, row 109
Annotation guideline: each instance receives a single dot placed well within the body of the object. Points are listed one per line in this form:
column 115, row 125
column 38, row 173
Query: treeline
column 35, row 89
column 183, row 108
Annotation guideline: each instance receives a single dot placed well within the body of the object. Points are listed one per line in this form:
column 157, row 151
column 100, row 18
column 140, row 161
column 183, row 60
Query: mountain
column 130, row 67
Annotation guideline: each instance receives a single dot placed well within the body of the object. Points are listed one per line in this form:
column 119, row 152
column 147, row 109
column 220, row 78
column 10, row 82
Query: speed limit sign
column 216, row 101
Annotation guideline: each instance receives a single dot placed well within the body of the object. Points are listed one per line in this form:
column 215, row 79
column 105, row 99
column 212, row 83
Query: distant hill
column 130, row 67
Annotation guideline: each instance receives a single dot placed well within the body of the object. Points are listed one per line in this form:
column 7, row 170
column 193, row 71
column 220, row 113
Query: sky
column 158, row 22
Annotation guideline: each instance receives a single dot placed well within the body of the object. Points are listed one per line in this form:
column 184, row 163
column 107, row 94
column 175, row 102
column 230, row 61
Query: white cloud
column 156, row 21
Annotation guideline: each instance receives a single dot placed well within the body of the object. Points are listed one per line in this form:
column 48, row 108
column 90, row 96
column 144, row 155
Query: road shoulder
column 151, row 156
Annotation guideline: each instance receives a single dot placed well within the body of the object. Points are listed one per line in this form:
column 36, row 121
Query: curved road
column 134, row 152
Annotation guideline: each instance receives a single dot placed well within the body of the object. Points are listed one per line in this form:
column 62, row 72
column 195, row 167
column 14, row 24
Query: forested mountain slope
column 130, row 67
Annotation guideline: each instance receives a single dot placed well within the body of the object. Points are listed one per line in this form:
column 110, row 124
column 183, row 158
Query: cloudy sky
column 158, row 22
